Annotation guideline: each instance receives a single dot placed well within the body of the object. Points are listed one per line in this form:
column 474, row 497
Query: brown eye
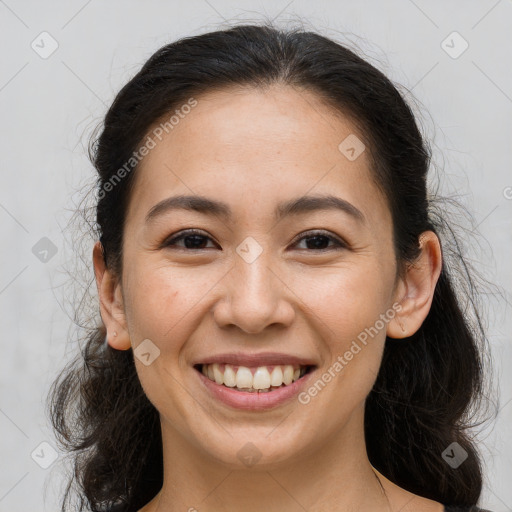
column 192, row 239
column 315, row 241
column 319, row 241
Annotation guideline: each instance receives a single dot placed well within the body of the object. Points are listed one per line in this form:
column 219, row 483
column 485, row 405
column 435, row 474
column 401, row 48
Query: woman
column 280, row 330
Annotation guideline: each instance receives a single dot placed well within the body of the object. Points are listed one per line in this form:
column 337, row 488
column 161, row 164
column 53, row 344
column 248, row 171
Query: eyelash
column 304, row 236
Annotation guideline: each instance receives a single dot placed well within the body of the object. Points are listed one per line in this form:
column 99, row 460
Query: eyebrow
column 219, row 209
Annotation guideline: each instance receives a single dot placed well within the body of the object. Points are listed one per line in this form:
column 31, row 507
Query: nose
column 255, row 297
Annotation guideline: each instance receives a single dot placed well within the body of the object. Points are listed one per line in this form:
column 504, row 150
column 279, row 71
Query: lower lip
column 254, row 401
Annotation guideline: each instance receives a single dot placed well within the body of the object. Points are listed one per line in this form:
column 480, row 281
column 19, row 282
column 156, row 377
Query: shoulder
column 406, row 501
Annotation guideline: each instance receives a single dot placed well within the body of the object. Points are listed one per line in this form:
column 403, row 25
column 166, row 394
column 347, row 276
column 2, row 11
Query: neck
column 334, row 475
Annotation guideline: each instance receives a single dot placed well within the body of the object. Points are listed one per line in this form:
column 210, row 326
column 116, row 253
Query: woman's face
column 300, row 286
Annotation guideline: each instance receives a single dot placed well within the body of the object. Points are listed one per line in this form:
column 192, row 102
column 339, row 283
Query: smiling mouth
column 261, row 379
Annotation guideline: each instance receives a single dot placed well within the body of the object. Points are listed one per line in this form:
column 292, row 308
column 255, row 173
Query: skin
column 253, row 149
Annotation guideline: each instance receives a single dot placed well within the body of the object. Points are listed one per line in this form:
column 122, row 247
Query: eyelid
column 184, row 233
column 321, row 232
column 340, row 242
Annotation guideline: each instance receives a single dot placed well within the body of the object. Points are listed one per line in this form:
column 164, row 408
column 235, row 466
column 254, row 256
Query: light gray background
column 49, row 106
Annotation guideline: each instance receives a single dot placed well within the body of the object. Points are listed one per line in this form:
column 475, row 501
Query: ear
column 111, row 302
column 415, row 290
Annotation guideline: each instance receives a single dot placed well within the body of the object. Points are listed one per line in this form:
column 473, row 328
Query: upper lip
column 258, row 359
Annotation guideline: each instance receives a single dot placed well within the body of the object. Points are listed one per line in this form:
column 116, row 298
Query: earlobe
column 111, row 303
column 416, row 290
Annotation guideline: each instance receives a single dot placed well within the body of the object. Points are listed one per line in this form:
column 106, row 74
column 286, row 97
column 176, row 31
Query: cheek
column 162, row 305
column 162, row 302
column 346, row 299
column 347, row 307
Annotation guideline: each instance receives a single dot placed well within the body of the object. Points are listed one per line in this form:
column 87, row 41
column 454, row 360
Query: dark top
column 465, row 509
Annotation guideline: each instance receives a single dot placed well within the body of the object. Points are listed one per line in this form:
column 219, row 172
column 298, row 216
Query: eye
column 192, row 239
column 317, row 240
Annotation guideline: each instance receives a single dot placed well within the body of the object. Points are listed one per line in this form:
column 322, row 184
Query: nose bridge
column 256, row 297
column 254, row 280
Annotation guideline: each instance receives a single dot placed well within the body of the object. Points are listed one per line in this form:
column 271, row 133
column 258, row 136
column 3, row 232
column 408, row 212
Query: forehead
column 272, row 121
column 269, row 144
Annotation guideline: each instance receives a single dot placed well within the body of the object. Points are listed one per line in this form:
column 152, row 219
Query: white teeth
column 243, row 377
column 229, row 376
column 276, row 379
column 217, row 374
column 262, row 380
column 287, row 374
